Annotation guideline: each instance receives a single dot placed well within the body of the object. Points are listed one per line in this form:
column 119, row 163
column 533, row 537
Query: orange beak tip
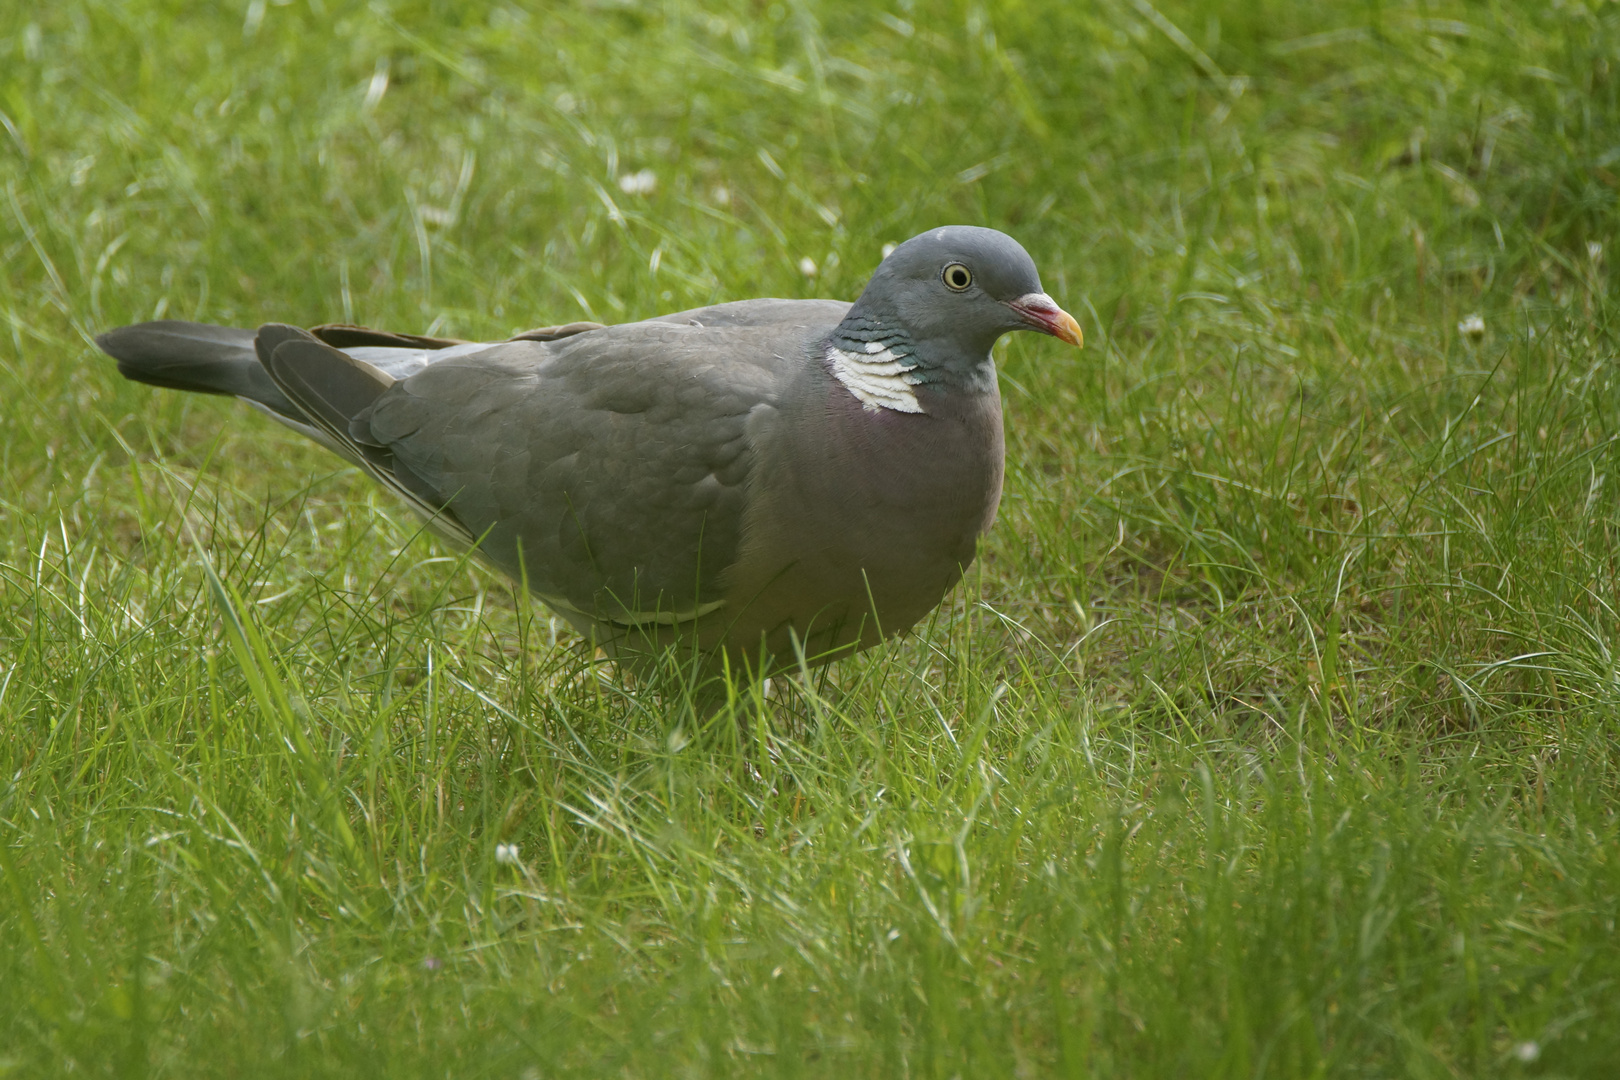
column 1069, row 330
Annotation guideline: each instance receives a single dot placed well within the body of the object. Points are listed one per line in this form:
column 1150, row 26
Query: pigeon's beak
column 1042, row 313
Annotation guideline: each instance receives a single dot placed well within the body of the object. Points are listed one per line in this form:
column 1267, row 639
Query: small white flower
column 507, row 855
column 1472, row 328
column 377, row 87
column 888, row 249
column 807, row 266
column 1594, row 251
column 1527, row 1051
column 721, row 196
column 638, row 183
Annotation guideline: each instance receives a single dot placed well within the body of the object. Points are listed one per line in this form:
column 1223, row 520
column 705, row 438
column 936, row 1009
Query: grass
column 1274, row 734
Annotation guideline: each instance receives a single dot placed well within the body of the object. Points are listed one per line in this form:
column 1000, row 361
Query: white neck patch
column 877, row 376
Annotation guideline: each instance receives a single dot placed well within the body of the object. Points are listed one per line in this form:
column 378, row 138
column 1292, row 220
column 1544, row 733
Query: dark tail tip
column 204, row 359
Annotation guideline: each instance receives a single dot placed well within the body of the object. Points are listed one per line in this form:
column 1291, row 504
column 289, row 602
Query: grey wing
column 403, row 355
column 765, row 312
column 606, row 471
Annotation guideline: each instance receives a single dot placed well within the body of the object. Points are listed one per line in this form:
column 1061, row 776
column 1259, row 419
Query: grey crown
column 766, row 478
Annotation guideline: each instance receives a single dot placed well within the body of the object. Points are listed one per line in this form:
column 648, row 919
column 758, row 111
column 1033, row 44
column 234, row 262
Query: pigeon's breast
column 864, row 514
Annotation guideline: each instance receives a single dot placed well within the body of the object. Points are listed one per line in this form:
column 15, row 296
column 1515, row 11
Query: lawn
column 1274, row 734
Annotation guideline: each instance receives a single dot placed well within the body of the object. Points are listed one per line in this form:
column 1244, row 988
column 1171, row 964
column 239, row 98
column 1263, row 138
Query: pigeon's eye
column 957, row 277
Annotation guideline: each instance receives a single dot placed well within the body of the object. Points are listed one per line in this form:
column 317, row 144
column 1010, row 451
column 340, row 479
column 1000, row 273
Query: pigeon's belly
column 858, row 536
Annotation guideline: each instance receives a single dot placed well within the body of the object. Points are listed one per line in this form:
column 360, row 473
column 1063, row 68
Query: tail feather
column 195, row 356
column 292, row 375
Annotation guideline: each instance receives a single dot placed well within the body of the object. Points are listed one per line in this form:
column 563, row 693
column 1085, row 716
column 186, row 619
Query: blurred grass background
column 1274, row 736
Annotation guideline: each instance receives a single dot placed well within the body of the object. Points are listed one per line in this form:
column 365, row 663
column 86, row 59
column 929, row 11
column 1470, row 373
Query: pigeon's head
column 954, row 290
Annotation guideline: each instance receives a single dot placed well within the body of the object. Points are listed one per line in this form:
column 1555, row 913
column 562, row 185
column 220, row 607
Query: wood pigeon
column 764, row 479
